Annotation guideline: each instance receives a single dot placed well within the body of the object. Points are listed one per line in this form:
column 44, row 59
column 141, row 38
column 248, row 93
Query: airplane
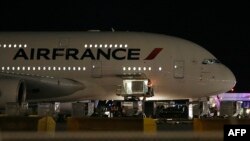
column 92, row 65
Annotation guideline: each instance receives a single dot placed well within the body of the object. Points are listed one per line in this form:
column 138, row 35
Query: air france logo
column 236, row 132
column 76, row 54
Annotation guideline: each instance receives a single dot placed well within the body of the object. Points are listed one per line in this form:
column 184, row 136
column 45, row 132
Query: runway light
column 248, row 111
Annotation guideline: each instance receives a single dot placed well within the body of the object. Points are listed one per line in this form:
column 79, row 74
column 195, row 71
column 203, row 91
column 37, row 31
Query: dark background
column 221, row 28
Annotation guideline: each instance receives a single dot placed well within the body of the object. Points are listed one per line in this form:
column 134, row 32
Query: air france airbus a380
column 72, row 66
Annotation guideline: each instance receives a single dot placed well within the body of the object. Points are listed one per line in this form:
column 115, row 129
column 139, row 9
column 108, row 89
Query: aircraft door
column 96, row 69
column 178, row 69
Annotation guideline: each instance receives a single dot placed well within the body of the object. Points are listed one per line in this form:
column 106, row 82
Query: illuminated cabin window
column 125, row 45
column 64, row 68
column 105, row 45
column 84, row 68
column 116, row 45
column 100, row 45
column 39, row 68
column 95, row 45
column 124, row 68
column 74, row 68
column 15, row 45
column 69, row 68
column 149, row 68
column 44, row 68
column 59, row 68
column 85, row 45
column 129, row 68
column 9, row 45
column 90, row 45
column 25, row 45
column 144, row 68
column 23, row 68
column 20, row 45
column 4, row 46
column 120, row 45
column 34, row 68
column 139, row 68
column 79, row 68
column 54, row 68
column 3, row 68
column 28, row 68
column 18, row 68
column 49, row 68
column 134, row 68
column 160, row 68
column 110, row 45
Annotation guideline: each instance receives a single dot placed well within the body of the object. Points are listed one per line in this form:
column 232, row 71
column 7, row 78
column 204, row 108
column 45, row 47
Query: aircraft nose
column 229, row 78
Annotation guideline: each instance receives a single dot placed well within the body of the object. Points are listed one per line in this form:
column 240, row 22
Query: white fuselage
column 98, row 59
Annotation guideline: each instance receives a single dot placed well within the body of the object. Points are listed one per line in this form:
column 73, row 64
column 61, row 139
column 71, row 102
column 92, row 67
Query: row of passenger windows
column 54, row 68
column 85, row 45
column 44, row 68
column 13, row 45
column 139, row 69
column 105, row 45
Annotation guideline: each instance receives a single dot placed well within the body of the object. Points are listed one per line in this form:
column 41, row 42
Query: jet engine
column 12, row 91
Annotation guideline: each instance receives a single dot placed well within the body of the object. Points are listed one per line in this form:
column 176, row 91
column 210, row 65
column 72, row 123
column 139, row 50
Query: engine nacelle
column 12, row 91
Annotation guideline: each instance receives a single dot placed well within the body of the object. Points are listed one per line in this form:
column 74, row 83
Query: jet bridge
column 135, row 86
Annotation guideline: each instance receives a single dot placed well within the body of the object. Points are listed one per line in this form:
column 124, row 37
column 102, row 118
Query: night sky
column 223, row 29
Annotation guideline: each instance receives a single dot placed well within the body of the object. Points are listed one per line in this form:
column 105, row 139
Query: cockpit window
column 210, row 61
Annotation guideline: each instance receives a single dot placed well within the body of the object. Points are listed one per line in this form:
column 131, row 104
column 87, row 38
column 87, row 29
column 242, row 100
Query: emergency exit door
column 96, row 69
column 178, row 69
